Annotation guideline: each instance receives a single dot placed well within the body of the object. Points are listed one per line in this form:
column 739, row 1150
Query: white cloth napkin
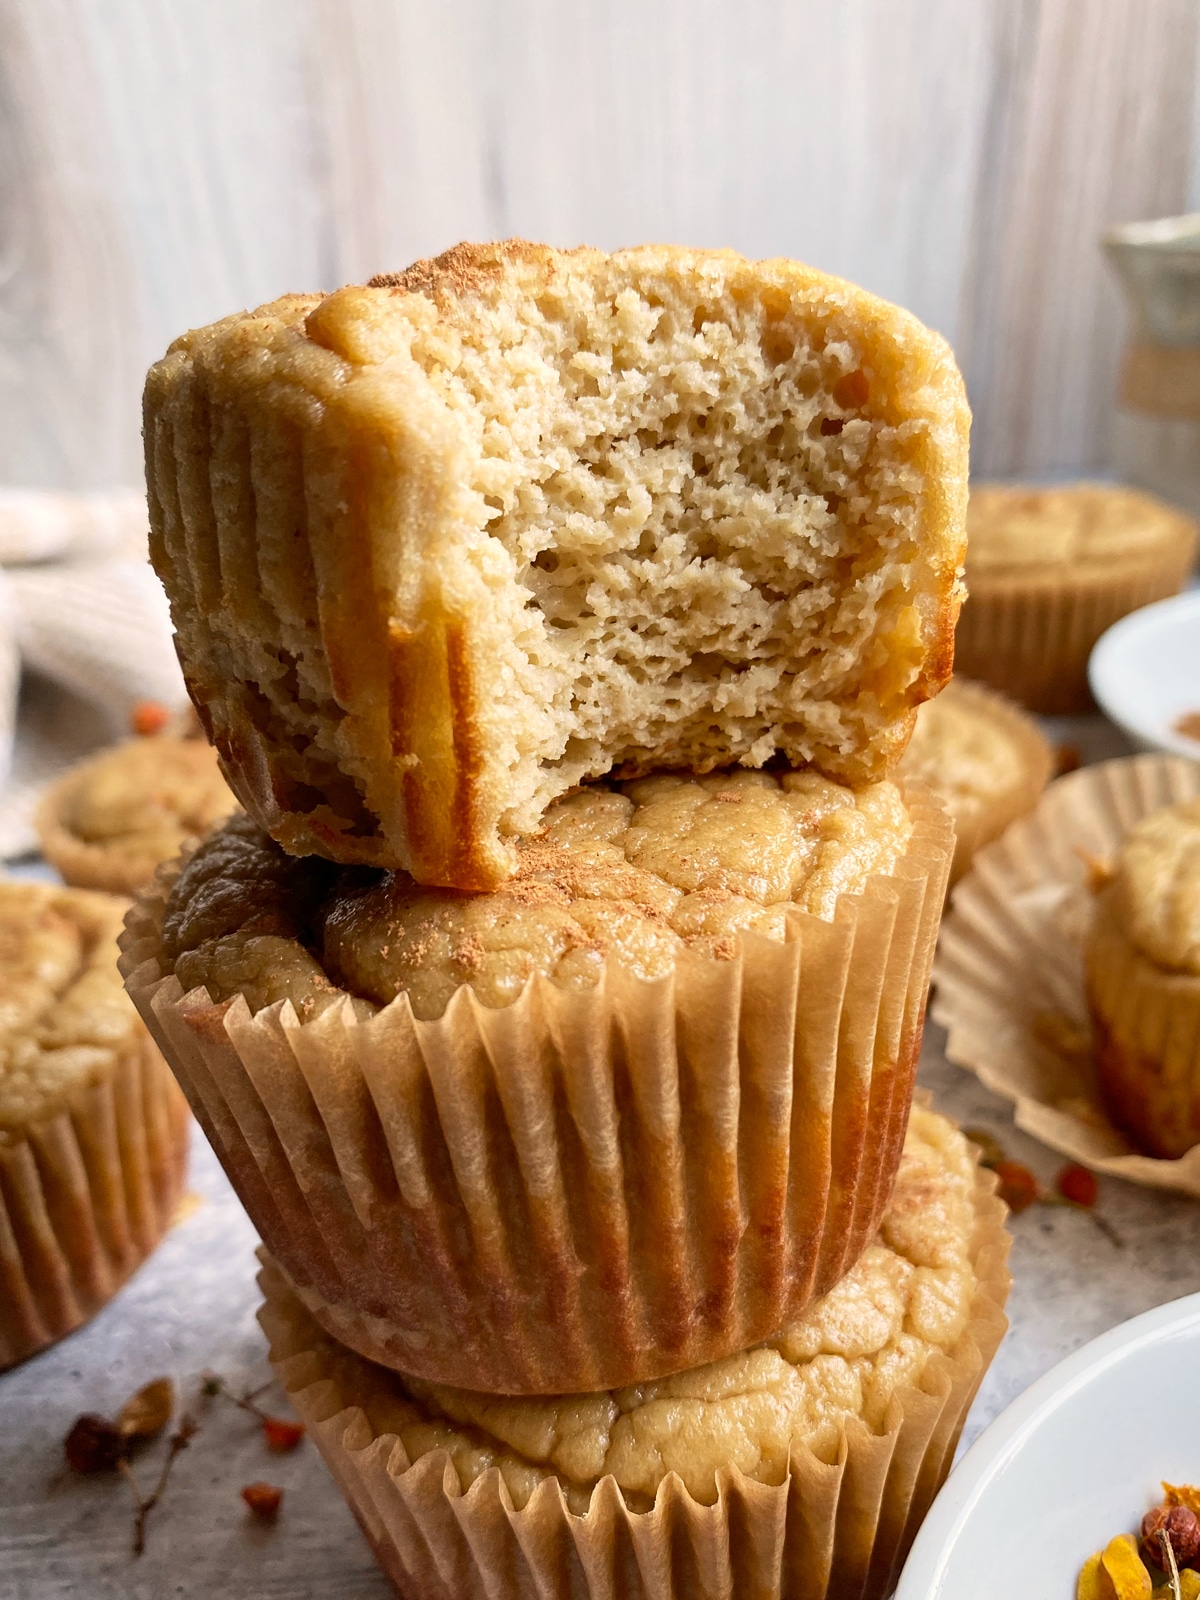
column 85, row 617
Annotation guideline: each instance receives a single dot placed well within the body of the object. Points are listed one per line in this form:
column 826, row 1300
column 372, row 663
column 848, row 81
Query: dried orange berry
column 282, row 1435
column 149, row 718
column 264, row 1499
column 1018, row 1186
column 1077, row 1185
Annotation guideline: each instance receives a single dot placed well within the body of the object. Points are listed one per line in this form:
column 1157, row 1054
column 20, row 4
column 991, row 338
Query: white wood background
column 163, row 162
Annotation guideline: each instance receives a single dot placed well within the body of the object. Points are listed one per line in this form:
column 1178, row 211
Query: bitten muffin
column 93, row 1128
column 987, row 760
column 625, row 1114
column 1048, row 570
column 442, row 547
column 1143, row 983
column 878, row 1373
column 111, row 821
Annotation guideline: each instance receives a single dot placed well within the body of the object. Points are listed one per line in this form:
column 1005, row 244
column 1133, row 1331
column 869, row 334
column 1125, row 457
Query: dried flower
column 263, row 1499
column 148, row 1411
column 93, row 1444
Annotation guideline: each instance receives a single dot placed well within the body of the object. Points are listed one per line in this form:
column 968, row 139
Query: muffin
column 110, row 821
column 93, row 1128
column 801, row 1467
column 440, row 548
column 1048, row 570
column 626, row 1115
column 1142, row 961
column 987, row 761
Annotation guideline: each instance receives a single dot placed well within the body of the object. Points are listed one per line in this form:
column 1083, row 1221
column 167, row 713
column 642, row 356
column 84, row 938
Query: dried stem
column 180, row 1440
column 1170, row 1566
column 214, row 1384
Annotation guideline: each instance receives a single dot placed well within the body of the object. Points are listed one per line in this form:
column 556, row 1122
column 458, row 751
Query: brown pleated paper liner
column 1009, row 980
column 85, row 1195
column 1032, row 638
column 589, row 1188
column 834, row 1528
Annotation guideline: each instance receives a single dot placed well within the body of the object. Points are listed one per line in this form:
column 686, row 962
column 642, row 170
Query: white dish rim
column 1109, row 649
column 966, row 1487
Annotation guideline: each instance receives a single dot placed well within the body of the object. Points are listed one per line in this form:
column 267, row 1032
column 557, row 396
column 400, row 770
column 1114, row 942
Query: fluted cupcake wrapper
column 837, row 1527
column 1009, row 977
column 85, row 1195
column 589, row 1188
column 1032, row 639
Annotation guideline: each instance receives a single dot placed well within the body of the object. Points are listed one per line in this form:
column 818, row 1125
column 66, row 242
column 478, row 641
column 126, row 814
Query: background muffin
column 985, row 758
column 1143, row 983
column 566, row 513
column 1048, row 570
column 883, row 1368
column 624, row 1115
column 111, row 821
column 93, row 1128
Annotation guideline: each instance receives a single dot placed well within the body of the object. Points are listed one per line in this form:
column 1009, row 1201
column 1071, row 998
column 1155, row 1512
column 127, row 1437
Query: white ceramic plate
column 1145, row 672
column 1076, row 1459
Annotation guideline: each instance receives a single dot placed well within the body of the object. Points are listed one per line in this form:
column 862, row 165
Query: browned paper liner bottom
column 1008, row 980
column 1032, row 639
column 590, row 1188
column 837, row 1528
column 85, row 1196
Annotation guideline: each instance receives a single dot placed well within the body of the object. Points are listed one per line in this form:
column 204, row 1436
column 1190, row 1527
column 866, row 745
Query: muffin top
column 640, row 872
column 1156, row 889
column 64, row 1014
column 973, row 748
column 1018, row 531
column 908, row 1297
column 114, row 818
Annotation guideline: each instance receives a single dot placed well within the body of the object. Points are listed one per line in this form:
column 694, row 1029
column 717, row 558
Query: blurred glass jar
column 1156, row 435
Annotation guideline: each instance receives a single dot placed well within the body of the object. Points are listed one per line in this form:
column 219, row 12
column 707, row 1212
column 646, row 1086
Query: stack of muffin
column 555, row 1007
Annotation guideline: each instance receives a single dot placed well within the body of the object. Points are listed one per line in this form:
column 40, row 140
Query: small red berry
column 281, row 1435
column 263, row 1499
column 149, row 718
column 1078, row 1185
column 1018, row 1186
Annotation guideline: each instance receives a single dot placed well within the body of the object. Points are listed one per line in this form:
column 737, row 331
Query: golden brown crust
column 1049, row 570
column 369, row 694
column 987, row 760
column 93, row 1128
column 1142, row 960
column 112, row 820
column 592, row 1186
column 827, row 1530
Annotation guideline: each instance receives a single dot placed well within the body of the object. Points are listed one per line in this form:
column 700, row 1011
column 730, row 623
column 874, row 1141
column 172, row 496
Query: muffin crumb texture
column 640, row 873
column 908, row 1297
column 64, row 1016
column 664, row 508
